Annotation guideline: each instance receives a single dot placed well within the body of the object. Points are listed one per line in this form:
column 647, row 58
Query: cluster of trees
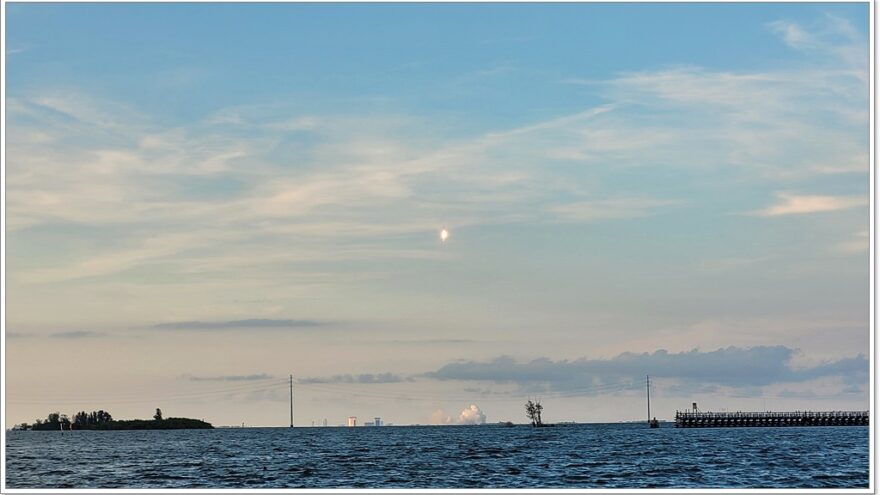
column 53, row 421
column 102, row 420
column 84, row 420
column 81, row 421
column 533, row 411
column 157, row 424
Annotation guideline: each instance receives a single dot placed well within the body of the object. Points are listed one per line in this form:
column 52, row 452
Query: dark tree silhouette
column 533, row 411
column 53, row 421
column 102, row 420
column 82, row 419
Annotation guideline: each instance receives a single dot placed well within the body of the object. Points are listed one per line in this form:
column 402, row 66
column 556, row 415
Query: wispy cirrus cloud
column 252, row 323
column 829, row 34
column 858, row 243
column 493, row 178
column 198, row 207
column 76, row 334
column 364, row 378
column 794, row 204
column 792, row 34
column 260, row 192
column 587, row 211
column 231, row 378
column 16, row 50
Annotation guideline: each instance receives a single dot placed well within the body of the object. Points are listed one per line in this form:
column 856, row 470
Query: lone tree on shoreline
column 533, row 411
column 158, row 415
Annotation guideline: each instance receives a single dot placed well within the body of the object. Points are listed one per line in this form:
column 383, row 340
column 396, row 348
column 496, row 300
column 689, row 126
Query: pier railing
column 693, row 419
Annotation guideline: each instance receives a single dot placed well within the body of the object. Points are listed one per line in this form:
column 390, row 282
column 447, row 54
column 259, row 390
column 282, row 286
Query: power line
column 575, row 392
column 358, row 390
column 143, row 398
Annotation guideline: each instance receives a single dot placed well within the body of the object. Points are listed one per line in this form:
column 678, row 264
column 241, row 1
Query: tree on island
column 533, row 411
column 83, row 420
column 54, row 421
column 102, row 420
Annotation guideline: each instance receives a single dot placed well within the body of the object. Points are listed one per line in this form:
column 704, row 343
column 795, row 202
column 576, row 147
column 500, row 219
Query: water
column 577, row 456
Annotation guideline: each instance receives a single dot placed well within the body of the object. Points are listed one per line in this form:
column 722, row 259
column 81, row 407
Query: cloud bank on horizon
column 241, row 212
column 732, row 367
column 250, row 324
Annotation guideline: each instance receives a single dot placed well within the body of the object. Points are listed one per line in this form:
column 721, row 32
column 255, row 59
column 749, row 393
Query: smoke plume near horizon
column 470, row 415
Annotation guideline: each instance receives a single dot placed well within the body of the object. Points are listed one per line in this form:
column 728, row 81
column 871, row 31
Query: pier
column 696, row 419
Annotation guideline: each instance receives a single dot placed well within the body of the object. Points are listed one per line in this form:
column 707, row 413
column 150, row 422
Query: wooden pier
column 696, row 419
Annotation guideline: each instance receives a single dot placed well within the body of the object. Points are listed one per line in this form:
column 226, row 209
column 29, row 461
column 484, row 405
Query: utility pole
column 291, row 401
column 648, row 389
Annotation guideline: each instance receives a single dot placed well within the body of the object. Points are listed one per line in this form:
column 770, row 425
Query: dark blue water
column 578, row 456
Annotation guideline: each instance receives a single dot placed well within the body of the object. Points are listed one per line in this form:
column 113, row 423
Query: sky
column 204, row 199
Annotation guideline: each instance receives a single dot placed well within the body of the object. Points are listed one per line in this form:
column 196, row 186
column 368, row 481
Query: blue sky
column 618, row 179
column 156, row 56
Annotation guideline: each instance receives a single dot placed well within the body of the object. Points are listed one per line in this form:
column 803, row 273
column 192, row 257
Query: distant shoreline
column 129, row 424
column 143, row 424
column 102, row 420
column 501, row 424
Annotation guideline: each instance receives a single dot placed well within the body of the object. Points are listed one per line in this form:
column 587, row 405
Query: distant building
column 369, row 423
column 377, row 421
column 352, row 421
column 324, row 423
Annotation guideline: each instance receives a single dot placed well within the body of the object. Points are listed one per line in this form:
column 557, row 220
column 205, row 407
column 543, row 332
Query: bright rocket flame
column 444, row 234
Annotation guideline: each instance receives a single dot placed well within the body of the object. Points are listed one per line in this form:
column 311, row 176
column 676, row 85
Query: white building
column 352, row 421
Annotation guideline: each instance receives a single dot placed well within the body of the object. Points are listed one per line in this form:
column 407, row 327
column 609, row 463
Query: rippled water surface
column 613, row 455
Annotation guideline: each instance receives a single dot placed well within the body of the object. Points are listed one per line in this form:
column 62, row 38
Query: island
column 102, row 420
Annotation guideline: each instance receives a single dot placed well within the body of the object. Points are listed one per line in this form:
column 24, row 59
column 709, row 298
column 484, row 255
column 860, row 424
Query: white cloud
column 370, row 186
column 793, row 204
column 730, row 263
column 859, row 243
column 151, row 249
column 830, row 35
column 471, row 415
column 781, row 124
column 360, row 180
column 792, row 33
column 632, row 207
column 439, row 417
